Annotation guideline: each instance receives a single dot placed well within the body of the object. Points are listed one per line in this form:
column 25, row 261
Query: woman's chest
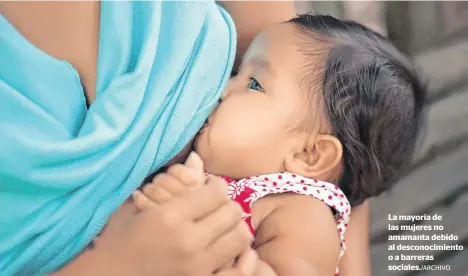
column 64, row 30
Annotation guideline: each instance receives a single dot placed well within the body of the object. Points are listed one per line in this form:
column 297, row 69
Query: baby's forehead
column 288, row 53
column 275, row 42
column 287, row 49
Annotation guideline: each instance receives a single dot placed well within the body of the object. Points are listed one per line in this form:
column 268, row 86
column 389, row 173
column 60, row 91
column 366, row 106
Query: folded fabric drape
column 65, row 168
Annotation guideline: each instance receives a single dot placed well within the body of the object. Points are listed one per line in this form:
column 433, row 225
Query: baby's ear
column 320, row 158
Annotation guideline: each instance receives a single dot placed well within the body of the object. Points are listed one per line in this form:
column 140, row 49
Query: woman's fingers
column 232, row 244
column 208, row 214
column 222, row 221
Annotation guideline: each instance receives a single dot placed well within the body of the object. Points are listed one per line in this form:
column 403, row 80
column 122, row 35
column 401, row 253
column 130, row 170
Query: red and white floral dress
column 246, row 191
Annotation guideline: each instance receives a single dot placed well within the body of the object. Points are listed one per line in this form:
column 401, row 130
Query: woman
column 95, row 96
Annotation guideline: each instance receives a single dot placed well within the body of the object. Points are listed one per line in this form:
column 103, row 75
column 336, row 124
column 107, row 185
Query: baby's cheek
column 225, row 154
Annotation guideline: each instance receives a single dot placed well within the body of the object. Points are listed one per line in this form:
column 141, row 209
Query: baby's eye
column 255, row 85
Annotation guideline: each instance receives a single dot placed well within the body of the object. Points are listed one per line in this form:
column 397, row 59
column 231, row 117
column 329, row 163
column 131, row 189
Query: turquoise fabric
column 65, row 168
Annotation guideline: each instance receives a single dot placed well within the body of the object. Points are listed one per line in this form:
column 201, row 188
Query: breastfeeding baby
column 321, row 115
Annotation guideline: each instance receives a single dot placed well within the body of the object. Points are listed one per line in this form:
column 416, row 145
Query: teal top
column 65, row 168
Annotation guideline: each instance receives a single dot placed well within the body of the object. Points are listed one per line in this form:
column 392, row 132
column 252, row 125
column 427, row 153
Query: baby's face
column 253, row 129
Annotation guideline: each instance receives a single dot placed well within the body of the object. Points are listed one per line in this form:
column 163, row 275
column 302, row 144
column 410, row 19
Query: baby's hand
column 178, row 180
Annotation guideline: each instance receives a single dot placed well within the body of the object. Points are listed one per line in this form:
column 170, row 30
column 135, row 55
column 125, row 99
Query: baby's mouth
column 205, row 125
column 201, row 132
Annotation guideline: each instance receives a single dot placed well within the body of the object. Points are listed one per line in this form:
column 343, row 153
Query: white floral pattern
column 246, row 215
column 235, row 189
column 252, row 198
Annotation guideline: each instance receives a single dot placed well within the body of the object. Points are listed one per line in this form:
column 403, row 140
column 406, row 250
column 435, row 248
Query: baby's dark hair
column 373, row 99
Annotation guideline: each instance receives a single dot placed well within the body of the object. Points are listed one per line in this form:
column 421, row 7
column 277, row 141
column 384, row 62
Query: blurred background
column 435, row 35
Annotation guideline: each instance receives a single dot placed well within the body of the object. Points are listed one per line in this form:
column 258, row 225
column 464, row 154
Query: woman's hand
column 195, row 231
column 179, row 181
column 194, row 234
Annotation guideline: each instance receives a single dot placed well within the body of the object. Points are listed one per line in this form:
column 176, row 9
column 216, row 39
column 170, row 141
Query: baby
column 319, row 107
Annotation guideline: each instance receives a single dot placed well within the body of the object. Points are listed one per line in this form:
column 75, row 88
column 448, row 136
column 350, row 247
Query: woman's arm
column 91, row 261
column 252, row 17
column 144, row 237
column 356, row 261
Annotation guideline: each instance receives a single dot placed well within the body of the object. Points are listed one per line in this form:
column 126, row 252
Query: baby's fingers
column 194, row 162
column 141, row 201
column 191, row 174
column 164, row 188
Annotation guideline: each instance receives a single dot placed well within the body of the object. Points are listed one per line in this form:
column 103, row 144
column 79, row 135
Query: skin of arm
column 100, row 260
column 356, row 261
column 288, row 240
column 252, row 17
column 91, row 262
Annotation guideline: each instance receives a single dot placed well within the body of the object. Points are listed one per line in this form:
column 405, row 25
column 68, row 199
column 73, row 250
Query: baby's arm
column 296, row 235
